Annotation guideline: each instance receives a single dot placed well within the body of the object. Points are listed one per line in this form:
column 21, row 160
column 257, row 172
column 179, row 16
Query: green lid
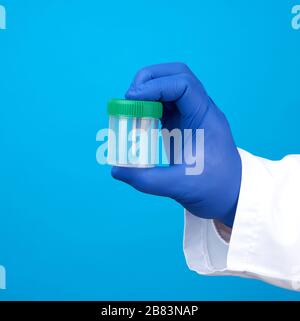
column 135, row 108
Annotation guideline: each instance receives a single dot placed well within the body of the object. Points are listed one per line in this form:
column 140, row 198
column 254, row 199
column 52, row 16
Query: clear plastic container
column 133, row 132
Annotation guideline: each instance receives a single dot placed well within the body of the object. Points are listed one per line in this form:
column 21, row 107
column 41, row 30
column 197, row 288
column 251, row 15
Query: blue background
column 67, row 229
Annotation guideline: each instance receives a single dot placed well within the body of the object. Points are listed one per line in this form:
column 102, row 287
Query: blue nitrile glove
column 214, row 193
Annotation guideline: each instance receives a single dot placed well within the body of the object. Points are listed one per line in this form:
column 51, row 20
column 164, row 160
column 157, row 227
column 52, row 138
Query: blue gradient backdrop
column 67, row 229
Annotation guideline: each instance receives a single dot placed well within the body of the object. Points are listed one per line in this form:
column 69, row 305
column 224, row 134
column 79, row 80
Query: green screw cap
column 135, row 108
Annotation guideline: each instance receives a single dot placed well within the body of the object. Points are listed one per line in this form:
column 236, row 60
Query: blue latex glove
column 214, row 193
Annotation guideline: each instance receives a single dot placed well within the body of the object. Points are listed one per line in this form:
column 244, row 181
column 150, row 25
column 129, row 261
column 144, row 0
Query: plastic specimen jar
column 133, row 132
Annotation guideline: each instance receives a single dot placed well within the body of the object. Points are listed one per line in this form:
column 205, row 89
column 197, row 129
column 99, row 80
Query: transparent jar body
column 132, row 142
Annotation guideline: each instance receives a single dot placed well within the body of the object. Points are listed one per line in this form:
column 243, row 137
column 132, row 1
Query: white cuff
column 265, row 239
column 205, row 250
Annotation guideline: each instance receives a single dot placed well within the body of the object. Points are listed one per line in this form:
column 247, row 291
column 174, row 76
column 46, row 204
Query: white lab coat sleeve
column 265, row 240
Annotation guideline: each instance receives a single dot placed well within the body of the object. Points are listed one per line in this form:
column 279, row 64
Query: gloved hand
column 214, row 193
